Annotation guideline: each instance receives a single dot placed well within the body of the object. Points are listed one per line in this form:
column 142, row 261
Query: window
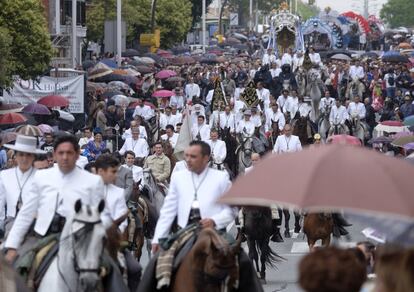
column 66, row 12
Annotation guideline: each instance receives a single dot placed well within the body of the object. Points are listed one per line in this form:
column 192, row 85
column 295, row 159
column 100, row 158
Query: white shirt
column 287, row 144
column 115, row 201
column 181, row 196
column 264, row 95
column 238, row 92
column 356, row 72
column 178, row 118
column 173, row 140
column 179, row 165
column 297, row 62
column 51, row 192
column 268, row 59
column 256, row 119
column 218, row 150
column 214, row 119
column 326, row 102
column 191, row 90
column 291, row 105
column 338, row 115
column 137, row 172
column 278, row 117
column 146, row 112
column 84, row 141
column 287, row 59
column 139, row 147
column 303, row 108
column 315, row 58
column 167, row 120
column 275, row 72
column 177, row 101
column 281, row 100
column 357, row 109
column 246, row 127
column 203, row 130
column 228, row 121
column 142, row 133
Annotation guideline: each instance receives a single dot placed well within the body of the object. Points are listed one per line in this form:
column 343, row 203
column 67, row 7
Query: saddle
column 135, row 222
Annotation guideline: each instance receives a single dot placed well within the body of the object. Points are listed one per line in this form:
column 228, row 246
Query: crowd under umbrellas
column 154, row 80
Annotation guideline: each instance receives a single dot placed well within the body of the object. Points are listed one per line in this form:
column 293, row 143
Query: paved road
column 285, row 277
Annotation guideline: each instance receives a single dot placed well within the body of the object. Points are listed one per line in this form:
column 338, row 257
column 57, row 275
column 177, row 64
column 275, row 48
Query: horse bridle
column 89, row 226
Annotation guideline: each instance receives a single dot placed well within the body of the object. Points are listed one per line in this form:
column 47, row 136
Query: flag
column 184, row 137
column 249, row 95
column 218, row 96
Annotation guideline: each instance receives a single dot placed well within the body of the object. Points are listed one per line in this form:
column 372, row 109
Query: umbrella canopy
column 144, row 69
column 164, row 74
column 163, row 93
column 97, row 73
column 29, row 130
column 344, row 140
column 10, row 108
column 400, row 142
column 88, row 64
column 8, row 137
column 342, row 57
column 331, row 177
column 382, row 128
column 381, row 139
column 175, row 79
column 110, row 93
column 54, row 101
column 45, row 128
column 135, row 104
column 36, row 109
column 121, row 100
column 405, row 46
column 110, row 63
column 130, row 53
column 409, row 146
column 372, row 55
column 12, row 119
column 119, row 85
column 394, row 57
column 409, row 121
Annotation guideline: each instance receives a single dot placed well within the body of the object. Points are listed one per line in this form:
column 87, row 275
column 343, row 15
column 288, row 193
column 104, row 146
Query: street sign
column 234, row 19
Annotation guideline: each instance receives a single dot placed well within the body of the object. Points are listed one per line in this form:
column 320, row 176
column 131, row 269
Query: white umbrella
column 342, row 57
column 121, row 100
column 64, row 115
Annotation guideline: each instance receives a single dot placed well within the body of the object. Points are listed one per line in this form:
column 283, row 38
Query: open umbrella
column 110, row 93
column 119, row 85
column 29, row 130
column 12, row 119
column 344, row 140
column 88, row 64
column 175, row 79
column 331, row 177
column 381, row 140
column 400, row 142
column 409, row 146
column 96, row 73
column 130, row 53
column 8, row 137
column 163, row 93
column 144, row 69
column 341, row 57
column 54, row 101
column 110, row 63
column 10, row 108
column 384, row 127
column 45, row 128
column 120, row 100
column 394, row 57
column 371, row 55
column 36, row 108
column 409, row 121
column 165, row 74
column 405, row 46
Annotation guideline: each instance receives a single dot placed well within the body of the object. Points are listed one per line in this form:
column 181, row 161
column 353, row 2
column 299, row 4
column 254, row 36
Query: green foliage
column 398, row 13
column 24, row 22
column 197, row 9
column 307, row 11
column 5, row 52
column 172, row 17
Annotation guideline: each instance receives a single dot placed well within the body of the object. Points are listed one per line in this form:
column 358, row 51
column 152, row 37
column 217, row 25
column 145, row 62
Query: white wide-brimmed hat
column 25, row 144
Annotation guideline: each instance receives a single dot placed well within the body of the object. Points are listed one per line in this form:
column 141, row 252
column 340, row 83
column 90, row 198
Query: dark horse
column 258, row 230
column 231, row 146
column 303, row 128
column 318, row 226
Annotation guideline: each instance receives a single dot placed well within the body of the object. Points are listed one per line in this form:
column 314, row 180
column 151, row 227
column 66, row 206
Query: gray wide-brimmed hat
column 26, row 144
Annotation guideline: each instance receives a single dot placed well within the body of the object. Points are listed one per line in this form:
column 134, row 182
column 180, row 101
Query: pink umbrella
column 54, row 101
column 164, row 74
column 45, row 128
column 344, row 140
column 163, row 93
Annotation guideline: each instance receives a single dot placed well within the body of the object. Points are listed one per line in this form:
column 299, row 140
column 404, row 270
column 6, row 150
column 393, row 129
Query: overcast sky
column 346, row 5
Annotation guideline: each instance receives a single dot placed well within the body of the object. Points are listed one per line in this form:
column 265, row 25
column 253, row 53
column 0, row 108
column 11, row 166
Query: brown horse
column 169, row 152
column 303, row 129
column 115, row 238
column 318, row 226
column 210, row 266
column 275, row 133
column 137, row 219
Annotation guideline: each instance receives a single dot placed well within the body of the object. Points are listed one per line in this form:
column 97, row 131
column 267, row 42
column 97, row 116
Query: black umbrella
column 110, row 77
column 155, row 57
column 130, row 53
column 88, row 64
column 180, row 50
column 381, row 139
column 371, row 55
column 144, row 69
column 108, row 94
column 331, row 53
column 395, row 58
column 241, row 46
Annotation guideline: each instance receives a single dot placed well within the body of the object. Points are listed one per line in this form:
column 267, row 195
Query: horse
column 338, row 129
column 169, row 152
column 244, row 152
column 358, row 129
column 258, row 230
column 324, row 124
column 210, row 266
column 318, row 226
column 231, row 146
column 355, row 88
column 314, row 90
column 303, row 129
column 77, row 264
column 301, row 81
column 274, row 133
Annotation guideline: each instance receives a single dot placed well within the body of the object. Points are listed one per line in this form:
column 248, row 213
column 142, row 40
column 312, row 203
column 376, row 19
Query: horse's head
column 215, row 262
column 86, row 234
column 247, row 145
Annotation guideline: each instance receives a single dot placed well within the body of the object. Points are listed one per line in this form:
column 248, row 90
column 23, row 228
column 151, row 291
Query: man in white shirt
column 275, row 70
column 137, row 172
column 256, row 117
column 53, row 194
column 228, row 120
column 297, row 61
column 303, row 108
column 263, row 94
column 143, row 110
column 315, row 57
column 167, row 118
column 136, row 144
column 326, row 103
column 274, row 115
column 87, row 136
column 15, row 182
column 201, row 131
column 287, row 142
column 292, row 103
column 338, row 115
column 191, row 89
column 196, row 110
column 246, row 126
column 170, row 136
column 239, row 90
column 218, row 148
column 136, row 123
column 357, row 108
column 178, row 116
column 282, row 99
column 287, row 58
column 177, row 99
column 356, row 71
column 268, row 57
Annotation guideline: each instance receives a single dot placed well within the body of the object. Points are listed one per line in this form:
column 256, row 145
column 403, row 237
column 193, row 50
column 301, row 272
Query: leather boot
column 287, row 233
column 276, row 237
column 341, row 220
column 240, row 232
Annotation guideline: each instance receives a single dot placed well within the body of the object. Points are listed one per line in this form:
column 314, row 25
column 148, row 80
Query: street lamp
column 118, row 32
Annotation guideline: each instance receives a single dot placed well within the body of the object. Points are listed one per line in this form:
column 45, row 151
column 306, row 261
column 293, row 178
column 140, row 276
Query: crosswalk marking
column 302, row 246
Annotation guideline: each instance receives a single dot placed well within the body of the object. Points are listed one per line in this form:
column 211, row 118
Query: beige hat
column 26, row 144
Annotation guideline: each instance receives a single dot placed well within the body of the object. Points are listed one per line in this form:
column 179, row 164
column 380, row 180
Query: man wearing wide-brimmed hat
column 15, row 182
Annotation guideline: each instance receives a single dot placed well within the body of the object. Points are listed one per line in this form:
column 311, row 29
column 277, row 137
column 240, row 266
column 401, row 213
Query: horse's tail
column 270, row 256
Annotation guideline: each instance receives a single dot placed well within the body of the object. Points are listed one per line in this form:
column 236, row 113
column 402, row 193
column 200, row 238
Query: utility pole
column 366, row 8
column 251, row 15
column 119, row 32
column 74, row 37
column 203, row 33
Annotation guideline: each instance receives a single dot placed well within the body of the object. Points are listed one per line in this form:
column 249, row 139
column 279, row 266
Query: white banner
column 29, row 91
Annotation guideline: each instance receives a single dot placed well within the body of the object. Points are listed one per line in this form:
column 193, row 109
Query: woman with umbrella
column 95, row 148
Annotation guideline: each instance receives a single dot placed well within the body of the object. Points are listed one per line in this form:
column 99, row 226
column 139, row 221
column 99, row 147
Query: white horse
column 324, row 124
column 338, row 129
column 355, row 88
column 358, row 128
column 77, row 265
column 244, row 152
column 314, row 90
column 301, row 82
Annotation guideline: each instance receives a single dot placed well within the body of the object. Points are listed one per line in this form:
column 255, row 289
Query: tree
column 5, row 52
column 172, row 17
column 398, row 13
column 30, row 47
column 197, row 10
